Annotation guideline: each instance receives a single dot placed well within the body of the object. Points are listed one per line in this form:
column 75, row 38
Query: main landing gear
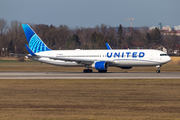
column 87, row 70
column 90, row 70
column 158, row 68
column 102, row 71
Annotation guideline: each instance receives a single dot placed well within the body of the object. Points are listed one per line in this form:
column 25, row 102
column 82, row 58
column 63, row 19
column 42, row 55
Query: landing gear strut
column 87, row 70
column 158, row 68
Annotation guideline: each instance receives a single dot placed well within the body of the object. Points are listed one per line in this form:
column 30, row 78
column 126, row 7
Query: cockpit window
column 163, row 55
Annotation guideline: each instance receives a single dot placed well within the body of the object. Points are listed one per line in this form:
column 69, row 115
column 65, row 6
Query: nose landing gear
column 158, row 69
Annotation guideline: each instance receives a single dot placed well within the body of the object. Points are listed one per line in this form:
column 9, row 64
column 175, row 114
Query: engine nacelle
column 101, row 65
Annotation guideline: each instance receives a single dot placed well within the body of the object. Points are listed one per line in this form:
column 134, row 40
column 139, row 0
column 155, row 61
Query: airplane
column 98, row 59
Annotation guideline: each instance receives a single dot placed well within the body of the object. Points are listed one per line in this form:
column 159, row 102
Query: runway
column 79, row 75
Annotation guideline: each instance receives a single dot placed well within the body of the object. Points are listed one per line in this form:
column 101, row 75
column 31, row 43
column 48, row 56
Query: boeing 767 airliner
column 98, row 59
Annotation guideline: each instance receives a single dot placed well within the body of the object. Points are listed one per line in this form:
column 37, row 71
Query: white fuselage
column 116, row 57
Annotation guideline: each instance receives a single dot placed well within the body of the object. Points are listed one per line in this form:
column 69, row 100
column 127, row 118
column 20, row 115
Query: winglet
column 30, row 51
column 108, row 46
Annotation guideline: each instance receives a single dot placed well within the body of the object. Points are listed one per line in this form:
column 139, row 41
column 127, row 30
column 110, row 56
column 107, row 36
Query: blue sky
column 89, row 13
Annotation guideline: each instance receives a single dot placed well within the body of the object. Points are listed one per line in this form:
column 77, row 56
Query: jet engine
column 100, row 65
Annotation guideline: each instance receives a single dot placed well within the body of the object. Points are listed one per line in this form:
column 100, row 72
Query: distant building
column 166, row 28
column 162, row 49
column 175, row 52
column 151, row 28
column 171, row 33
column 177, row 27
column 160, row 26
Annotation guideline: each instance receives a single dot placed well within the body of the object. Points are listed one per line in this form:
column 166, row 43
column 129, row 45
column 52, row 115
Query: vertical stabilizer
column 34, row 42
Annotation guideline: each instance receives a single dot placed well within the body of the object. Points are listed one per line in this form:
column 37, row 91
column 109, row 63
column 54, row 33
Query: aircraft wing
column 32, row 54
column 19, row 54
column 83, row 61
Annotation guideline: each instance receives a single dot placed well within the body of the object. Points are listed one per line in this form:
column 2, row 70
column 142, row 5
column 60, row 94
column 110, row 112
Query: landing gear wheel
column 158, row 71
column 87, row 71
column 158, row 68
column 102, row 71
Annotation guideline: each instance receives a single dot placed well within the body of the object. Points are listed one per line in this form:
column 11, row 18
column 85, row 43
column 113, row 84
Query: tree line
column 12, row 37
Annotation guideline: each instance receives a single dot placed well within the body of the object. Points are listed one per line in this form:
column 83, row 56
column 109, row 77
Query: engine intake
column 101, row 65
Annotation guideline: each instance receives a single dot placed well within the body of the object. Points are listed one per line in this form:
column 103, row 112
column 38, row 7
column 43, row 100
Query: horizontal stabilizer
column 15, row 54
column 30, row 51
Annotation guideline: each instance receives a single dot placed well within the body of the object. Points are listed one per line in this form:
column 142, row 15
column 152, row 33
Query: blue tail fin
column 108, row 46
column 35, row 43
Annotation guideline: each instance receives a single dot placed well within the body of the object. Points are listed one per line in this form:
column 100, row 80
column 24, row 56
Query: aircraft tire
column 102, row 71
column 157, row 71
column 90, row 71
column 87, row 71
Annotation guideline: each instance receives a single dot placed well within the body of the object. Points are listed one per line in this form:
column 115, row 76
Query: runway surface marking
column 79, row 75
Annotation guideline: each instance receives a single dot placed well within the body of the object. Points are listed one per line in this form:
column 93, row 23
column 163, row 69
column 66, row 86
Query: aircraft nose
column 169, row 58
